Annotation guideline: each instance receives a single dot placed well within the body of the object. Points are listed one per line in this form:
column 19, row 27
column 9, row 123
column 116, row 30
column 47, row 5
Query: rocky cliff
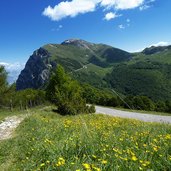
column 36, row 71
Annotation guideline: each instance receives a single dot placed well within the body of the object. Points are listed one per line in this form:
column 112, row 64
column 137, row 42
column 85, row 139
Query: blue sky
column 131, row 25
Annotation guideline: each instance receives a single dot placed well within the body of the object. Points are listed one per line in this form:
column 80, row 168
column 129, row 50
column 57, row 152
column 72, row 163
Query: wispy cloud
column 75, row 7
column 144, row 7
column 58, row 28
column 147, row 4
column 111, row 15
column 121, row 26
column 125, row 25
column 128, row 20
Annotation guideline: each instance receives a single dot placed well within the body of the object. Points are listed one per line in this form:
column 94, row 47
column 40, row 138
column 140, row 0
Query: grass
column 48, row 141
column 5, row 113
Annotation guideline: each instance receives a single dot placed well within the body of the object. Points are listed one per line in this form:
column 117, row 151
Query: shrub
column 65, row 93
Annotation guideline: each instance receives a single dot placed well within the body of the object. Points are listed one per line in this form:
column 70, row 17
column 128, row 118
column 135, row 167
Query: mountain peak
column 77, row 42
column 155, row 49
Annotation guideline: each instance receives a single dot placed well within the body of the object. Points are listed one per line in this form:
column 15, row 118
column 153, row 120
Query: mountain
column 85, row 60
column 145, row 73
column 155, row 49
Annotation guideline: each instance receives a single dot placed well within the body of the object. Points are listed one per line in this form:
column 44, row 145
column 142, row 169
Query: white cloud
column 162, row 43
column 111, row 15
column 121, row 26
column 13, row 70
column 75, row 7
column 69, row 9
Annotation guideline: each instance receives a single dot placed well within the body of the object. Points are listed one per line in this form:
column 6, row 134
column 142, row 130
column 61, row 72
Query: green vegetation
column 47, row 141
column 12, row 99
column 139, row 74
column 142, row 78
column 147, row 73
column 66, row 94
column 3, row 86
column 87, row 64
column 6, row 113
column 70, row 97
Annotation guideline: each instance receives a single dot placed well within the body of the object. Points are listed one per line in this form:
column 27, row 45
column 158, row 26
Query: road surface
column 134, row 115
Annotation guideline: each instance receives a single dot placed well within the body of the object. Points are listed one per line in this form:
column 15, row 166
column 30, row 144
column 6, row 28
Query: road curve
column 134, row 115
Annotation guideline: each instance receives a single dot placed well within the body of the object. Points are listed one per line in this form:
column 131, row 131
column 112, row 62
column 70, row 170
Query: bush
column 91, row 109
column 140, row 103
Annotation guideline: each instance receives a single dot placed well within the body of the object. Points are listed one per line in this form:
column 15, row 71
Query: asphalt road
column 134, row 115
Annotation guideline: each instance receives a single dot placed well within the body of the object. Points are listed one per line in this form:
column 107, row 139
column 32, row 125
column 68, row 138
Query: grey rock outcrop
column 36, row 71
column 78, row 43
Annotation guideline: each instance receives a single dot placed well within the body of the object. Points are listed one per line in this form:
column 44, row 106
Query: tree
column 65, row 93
column 3, row 85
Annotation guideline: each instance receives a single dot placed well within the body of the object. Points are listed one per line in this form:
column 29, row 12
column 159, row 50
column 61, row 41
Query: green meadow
column 47, row 141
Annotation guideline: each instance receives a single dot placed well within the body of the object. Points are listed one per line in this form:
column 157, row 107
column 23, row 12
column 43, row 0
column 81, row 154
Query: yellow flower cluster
column 61, row 162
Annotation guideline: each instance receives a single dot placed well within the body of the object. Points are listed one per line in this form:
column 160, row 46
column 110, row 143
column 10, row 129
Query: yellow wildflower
column 168, row 137
column 61, row 161
column 134, row 158
column 43, row 164
column 96, row 168
column 47, row 161
column 146, row 163
column 155, row 149
column 104, row 162
column 86, row 165
column 140, row 168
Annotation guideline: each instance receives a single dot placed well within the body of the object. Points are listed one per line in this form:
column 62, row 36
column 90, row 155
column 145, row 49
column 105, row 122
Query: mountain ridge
column 97, row 65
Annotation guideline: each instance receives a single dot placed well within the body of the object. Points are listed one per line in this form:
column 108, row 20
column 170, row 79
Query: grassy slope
column 47, row 141
column 74, row 58
column 8, row 113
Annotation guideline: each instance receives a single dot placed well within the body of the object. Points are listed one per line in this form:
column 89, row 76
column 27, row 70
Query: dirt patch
column 8, row 126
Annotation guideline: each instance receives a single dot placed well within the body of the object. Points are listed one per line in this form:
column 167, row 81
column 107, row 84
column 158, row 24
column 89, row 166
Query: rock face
column 78, row 42
column 36, row 71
